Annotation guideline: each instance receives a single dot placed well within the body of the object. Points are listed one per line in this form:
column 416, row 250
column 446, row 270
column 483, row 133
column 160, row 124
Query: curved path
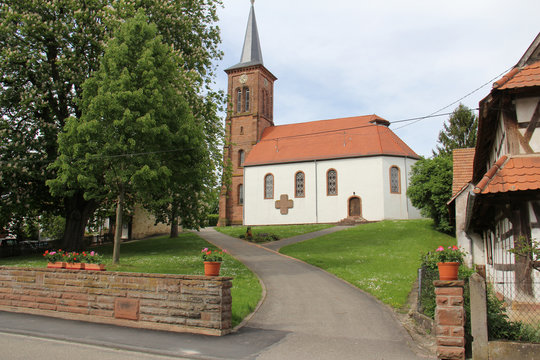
column 320, row 316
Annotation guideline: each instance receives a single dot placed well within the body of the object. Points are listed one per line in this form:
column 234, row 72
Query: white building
column 328, row 171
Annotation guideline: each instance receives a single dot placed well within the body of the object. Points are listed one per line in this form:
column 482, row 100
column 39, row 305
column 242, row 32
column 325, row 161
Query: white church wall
column 356, row 177
column 261, row 211
column 397, row 205
column 367, row 178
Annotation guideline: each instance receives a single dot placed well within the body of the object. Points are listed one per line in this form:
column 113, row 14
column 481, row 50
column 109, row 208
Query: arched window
column 241, row 194
column 299, row 184
column 331, row 182
column 241, row 130
column 241, row 157
column 239, row 100
column 246, row 100
column 269, row 186
column 395, row 186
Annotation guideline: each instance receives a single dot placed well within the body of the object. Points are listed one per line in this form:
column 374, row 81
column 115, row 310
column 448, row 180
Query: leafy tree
column 47, row 50
column 459, row 132
column 431, row 188
column 137, row 135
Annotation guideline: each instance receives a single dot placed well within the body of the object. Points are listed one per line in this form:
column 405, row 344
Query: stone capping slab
column 179, row 303
column 449, row 283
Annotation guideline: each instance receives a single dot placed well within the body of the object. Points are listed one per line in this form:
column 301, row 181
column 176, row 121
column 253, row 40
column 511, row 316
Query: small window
column 246, row 101
column 395, row 187
column 269, row 186
column 299, row 184
column 241, row 130
column 241, row 157
column 238, row 100
column 263, row 102
column 241, row 194
column 331, row 182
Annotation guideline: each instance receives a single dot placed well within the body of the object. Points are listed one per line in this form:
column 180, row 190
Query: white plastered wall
column 367, row 178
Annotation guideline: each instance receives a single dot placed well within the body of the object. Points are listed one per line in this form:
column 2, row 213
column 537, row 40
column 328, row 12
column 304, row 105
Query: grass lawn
column 181, row 255
column 283, row 231
column 379, row 258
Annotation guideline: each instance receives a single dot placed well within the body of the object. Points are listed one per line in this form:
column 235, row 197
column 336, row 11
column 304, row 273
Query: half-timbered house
column 502, row 207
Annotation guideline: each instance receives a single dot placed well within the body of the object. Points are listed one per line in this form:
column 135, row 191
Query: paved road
column 322, row 316
column 306, row 314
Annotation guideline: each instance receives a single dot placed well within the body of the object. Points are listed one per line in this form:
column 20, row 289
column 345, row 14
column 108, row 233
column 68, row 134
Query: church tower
column 249, row 112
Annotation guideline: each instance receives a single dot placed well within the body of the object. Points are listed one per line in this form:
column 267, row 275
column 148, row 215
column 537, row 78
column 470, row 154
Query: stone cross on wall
column 284, row 204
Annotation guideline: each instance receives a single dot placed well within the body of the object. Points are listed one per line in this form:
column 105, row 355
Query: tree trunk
column 174, row 225
column 118, row 232
column 78, row 212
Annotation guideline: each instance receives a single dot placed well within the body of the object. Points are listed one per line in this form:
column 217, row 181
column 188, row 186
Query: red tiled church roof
column 526, row 76
column 517, row 173
column 463, row 168
column 327, row 139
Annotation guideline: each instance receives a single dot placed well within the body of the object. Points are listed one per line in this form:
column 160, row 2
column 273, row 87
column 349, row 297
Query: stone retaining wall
column 181, row 303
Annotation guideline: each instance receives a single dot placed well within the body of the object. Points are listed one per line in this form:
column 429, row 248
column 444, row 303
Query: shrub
column 212, row 219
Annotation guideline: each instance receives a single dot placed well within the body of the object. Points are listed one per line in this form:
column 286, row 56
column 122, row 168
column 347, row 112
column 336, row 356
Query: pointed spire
column 251, row 52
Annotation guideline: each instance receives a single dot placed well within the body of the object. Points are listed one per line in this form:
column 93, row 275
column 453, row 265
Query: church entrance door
column 355, row 207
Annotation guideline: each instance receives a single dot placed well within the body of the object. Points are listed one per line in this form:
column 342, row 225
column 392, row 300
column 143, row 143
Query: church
column 343, row 170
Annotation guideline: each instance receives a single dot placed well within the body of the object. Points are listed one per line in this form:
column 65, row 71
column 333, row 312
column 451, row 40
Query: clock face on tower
column 243, row 78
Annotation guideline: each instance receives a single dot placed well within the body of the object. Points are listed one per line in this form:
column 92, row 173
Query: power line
column 457, row 101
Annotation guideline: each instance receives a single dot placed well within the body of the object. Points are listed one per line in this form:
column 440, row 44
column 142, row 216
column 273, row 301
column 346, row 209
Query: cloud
column 398, row 59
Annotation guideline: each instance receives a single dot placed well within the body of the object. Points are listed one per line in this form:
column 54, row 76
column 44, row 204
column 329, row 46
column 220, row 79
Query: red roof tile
column 463, row 168
column 526, row 76
column 518, row 173
column 327, row 139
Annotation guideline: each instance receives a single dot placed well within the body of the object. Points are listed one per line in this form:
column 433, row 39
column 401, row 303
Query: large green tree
column 459, row 132
column 431, row 188
column 137, row 135
column 47, row 50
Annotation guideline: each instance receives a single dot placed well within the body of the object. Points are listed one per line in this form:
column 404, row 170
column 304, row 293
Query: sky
column 397, row 59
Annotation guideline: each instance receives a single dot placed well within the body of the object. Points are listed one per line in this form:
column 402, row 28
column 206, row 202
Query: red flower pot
column 211, row 268
column 56, row 265
column 448, row 270
column 94, row 267
column 75, row 266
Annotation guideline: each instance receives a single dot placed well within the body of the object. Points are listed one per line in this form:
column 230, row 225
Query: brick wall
column 450, row 320
column 181, row 303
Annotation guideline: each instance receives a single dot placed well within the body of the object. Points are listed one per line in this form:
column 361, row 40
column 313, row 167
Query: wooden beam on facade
column 532, row 124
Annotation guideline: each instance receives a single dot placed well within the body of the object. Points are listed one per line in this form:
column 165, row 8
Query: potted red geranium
column 212, row 261
column 55, row 259
column 448, row 261
column 92, row 261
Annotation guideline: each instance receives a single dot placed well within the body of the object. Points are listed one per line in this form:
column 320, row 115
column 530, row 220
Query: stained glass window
column 269, row 186
column 394, row 180
column 300, row 184
column 331, row 182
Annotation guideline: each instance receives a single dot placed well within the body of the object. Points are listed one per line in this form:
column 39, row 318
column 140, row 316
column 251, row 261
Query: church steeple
column 251, row 52
column 250, row 111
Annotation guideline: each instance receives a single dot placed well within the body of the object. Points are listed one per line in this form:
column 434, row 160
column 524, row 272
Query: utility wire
column 457, row 101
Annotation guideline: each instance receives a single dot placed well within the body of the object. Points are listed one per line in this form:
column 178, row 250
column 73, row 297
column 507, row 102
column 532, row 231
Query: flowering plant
column 212, row 255
column 73, row 257
column 449, row 254
column 91, row 257
column 54, row 256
